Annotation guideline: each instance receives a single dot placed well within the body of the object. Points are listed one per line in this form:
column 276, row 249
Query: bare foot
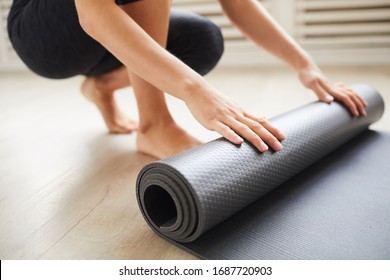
column 164, row 140
column 100, row 91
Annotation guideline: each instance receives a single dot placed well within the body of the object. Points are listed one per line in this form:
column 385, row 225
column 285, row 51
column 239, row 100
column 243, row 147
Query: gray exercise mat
column 326, row 195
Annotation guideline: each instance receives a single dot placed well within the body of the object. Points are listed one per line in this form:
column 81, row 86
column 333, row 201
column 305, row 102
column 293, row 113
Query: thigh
column 47, row 36
column 195, row 40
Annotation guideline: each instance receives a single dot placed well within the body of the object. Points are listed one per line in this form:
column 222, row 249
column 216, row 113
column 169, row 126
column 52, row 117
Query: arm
column 123, row 37
column 255, row 22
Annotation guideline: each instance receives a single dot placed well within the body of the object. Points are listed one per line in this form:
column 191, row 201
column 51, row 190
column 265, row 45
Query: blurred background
column 335, row 32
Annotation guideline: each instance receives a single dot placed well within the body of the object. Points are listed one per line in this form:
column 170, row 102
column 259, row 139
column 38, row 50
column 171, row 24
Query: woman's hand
column 216, row 112
column 312, row 78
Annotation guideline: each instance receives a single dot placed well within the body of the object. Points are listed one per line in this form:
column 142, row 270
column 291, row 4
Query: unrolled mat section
column 215, row 200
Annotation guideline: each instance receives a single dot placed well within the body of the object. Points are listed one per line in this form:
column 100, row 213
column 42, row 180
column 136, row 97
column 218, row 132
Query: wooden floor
column 67, row 188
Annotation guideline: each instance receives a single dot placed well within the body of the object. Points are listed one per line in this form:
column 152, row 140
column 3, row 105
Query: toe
column 120, row 129
column 132, row 125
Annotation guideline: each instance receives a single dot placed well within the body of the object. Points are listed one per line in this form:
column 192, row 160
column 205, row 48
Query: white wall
column 335, row 32
column 8, row 58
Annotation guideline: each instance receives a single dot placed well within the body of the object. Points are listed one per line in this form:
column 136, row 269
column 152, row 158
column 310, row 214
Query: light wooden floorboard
column 67, row 188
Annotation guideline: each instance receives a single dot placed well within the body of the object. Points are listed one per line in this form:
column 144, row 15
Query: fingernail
column 263, row 147
column 278, row 146
column 329, row 98
column 239, row 140
column 282, row 136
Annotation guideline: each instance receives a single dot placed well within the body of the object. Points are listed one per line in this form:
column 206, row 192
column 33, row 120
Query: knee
column 195, row 40
column 213, row 46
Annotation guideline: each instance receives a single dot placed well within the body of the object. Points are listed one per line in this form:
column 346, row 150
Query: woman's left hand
column 312, row 78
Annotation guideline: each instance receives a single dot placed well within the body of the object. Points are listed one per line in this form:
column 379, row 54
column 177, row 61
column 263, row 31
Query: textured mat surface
column 203, row 199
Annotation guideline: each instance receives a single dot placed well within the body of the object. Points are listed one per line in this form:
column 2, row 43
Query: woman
column 120, row 43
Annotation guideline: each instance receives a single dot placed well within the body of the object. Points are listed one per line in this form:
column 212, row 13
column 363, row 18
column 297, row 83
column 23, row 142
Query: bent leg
column 49, row 39
column 100, row 91
column 158, row 134
column 195, row 40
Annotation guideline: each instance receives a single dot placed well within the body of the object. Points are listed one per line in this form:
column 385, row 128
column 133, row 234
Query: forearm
column 256, row 23
column 124, row 38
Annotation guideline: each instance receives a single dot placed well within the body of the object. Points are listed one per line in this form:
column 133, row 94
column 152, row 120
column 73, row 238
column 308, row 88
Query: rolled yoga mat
column 322, row 197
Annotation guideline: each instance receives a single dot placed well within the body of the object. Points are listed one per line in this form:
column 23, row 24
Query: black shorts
column 122, row 2
column 47, row 36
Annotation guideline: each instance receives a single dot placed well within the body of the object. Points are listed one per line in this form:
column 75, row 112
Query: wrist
column 304, row 62
column 195, row 88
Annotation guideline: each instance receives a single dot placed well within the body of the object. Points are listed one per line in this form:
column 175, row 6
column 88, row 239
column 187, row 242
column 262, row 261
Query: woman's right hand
column 216, row 112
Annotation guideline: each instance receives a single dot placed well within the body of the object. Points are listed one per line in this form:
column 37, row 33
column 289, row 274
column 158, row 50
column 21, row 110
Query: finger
column 267, row 125
column 347, row 88
column 364, row 102
column 229, row 134
column 347, row 101
column 321, row 90
column 243, row 130
column 261, row 131
column 349, row 98
column 344, row 98
column 359, row 104
column 351, row 91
